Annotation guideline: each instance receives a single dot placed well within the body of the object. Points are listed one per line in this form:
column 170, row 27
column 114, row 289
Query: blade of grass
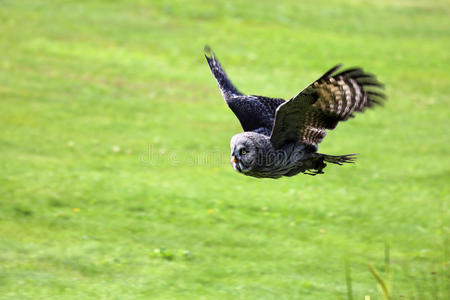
column 381, row 282
column 348, row 280
column 387, row 265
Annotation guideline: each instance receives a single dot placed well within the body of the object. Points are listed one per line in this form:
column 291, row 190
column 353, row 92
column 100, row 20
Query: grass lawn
column 115, row 180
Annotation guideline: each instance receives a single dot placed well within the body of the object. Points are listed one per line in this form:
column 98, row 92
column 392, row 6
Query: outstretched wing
column 324, row 103
column 255, row 113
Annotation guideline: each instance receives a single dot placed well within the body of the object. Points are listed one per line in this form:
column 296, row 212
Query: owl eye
column 242, row 151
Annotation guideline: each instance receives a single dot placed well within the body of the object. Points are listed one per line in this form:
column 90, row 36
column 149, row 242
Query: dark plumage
column 281, row 137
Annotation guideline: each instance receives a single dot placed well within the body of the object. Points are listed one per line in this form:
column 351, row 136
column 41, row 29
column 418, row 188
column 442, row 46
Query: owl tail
column 318, row 162
column 338, row 159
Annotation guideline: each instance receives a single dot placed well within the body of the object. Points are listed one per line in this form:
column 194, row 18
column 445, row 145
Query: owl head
column 246, row 150
column 243, row 152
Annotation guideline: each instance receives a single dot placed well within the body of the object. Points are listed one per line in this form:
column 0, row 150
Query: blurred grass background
column 114, row 139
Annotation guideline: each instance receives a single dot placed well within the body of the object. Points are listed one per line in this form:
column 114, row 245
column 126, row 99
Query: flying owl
column 281, row 137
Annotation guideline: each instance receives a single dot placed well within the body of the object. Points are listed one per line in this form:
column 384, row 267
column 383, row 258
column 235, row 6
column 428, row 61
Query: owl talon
column 314, row 172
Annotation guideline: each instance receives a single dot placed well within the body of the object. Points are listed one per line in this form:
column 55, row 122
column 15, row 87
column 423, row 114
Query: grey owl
column 281, row 137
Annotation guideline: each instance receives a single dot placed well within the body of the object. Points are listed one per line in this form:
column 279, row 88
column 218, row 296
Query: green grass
column 115, row 181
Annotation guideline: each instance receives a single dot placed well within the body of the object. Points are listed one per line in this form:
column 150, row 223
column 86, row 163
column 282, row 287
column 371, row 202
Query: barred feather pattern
column 338, row 98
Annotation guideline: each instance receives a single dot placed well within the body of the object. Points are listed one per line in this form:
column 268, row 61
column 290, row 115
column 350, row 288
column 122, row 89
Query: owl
column 281, row 137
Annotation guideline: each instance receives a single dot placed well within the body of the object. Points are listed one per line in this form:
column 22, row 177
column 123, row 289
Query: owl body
column 253, row 154
column 281, row 137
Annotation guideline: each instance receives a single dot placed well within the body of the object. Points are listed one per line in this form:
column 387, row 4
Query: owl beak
column 235, row 162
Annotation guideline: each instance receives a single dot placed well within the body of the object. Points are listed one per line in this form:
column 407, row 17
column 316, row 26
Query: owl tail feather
column 339, row 159
column 318, row 162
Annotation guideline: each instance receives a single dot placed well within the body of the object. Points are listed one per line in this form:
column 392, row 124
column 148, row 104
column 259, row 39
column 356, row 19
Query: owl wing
column 255, row 113
column 330, row 99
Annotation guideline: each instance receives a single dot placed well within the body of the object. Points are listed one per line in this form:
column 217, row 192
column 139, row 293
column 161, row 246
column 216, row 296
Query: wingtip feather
column 208, row 52
column 330, row 71
column 334, row 69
